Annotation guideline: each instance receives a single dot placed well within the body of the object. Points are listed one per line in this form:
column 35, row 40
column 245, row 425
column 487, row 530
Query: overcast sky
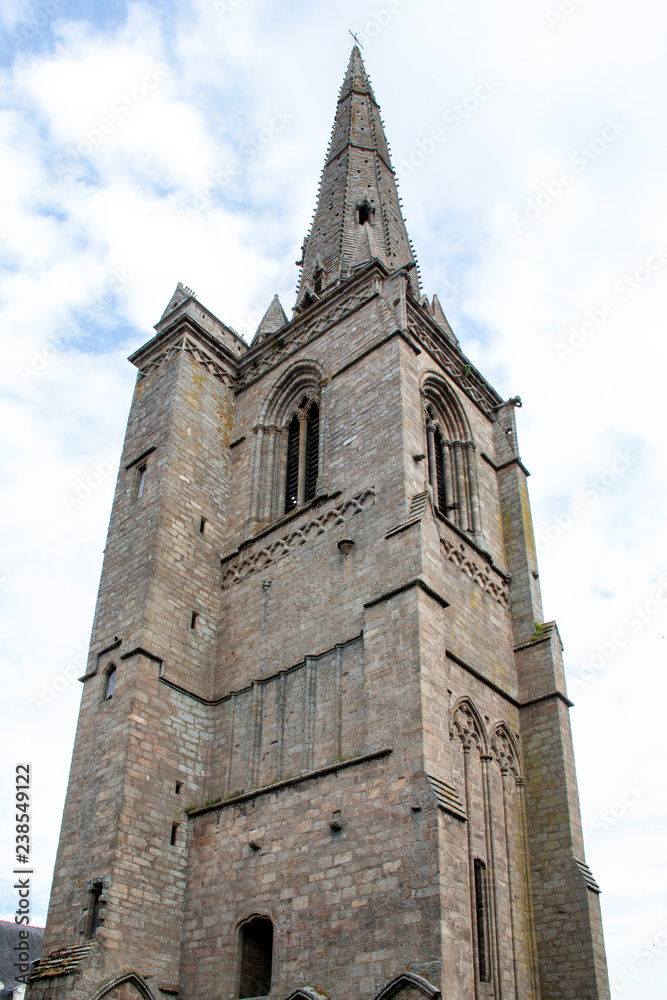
column 144, row 144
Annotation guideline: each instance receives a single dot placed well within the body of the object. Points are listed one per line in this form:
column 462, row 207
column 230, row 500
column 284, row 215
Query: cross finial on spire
column 356, row 40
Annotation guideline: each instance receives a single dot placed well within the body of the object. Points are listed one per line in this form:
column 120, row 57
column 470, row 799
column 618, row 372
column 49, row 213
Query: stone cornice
column 170, row 337
column 319, row 772
column 201, row 347
column 243, row 370
column 186, row 308
column 349, row 296
column 464, row 374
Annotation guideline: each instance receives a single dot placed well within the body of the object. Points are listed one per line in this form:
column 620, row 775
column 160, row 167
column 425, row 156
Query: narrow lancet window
column 292, row 476
column 110, row 685
column 440, row 474
column 141, row 482
column 256, row 957
column 480, row 922
column 94, row 909
column 303, row 452
column 312, row 451
column 452, row 470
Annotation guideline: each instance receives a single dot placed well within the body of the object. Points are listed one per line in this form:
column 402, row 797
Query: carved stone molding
column 504, row 751
column 409, row 981
column 587, row 876
column 456, row 367
column 267, row 429
column 245, row 565
column 484, row 576
column 288, row 342
column 447, row 797
column 466, row 726
column 306, row 993
column 196, row 352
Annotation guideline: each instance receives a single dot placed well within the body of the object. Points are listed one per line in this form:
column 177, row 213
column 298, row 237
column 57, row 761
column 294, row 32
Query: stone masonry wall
column 133, row 750
column 390, row 691
column 351, row 907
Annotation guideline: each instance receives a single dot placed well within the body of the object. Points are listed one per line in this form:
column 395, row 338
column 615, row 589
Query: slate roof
column 9, row 937
column 357, row 172
column 61, row 962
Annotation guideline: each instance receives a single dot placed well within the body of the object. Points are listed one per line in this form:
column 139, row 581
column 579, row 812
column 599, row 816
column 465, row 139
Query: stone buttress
column 324, row 743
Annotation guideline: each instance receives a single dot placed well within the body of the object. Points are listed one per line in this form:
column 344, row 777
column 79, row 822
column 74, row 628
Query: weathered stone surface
column 367, row 745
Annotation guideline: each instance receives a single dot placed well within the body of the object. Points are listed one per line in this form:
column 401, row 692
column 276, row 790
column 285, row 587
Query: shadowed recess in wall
column 302, row 718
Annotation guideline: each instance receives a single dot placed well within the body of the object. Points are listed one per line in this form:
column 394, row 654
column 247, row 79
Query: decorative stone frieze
column 253, row 562
column 196, row 352
column 484, row 576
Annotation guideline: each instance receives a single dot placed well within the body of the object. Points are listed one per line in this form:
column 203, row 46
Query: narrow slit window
column 141, row 481
column 481, row 922
column 312, row 451
column 440, row 473
column 179, row 785
column 303, row 448
column 317, row 282
column 94, row 909
column 256, row 957
column 292, row 474
column 194, row 620
column 110, row 684
column 174, row 834
column 202, row 526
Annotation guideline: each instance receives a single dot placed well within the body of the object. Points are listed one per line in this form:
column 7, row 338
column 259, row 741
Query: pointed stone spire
column 358, row 187
column 273, row 320
column 442, row 321
column 180, row 295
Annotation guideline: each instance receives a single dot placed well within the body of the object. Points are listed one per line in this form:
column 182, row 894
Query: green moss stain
column 527, row 521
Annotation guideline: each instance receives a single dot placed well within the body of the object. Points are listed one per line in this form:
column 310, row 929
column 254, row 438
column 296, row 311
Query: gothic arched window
column 452, row 461
column 303, row 448
column 256, row 957
column 288, row 450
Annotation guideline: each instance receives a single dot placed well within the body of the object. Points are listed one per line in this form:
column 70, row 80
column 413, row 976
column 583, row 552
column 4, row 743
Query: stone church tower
column 324, row 746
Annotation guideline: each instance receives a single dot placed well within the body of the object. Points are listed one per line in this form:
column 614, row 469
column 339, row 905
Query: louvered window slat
column 292, row 473
column 440, row 474
column 312, row 451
